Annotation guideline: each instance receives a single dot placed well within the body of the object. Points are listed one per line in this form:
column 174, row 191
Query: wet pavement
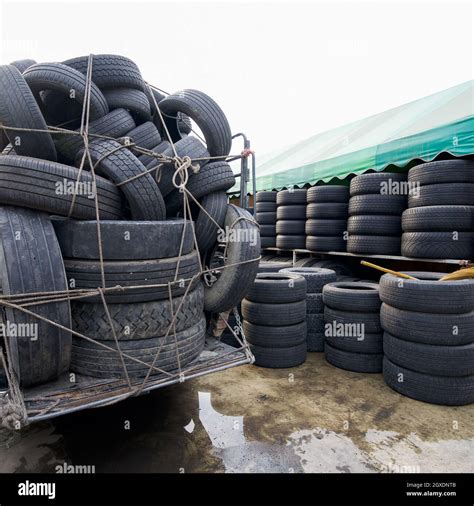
column 313, row 418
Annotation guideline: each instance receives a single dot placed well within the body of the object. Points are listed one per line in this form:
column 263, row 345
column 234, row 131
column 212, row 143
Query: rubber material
column 326, row 227
column 374, row 244
column 316, row 277
column 275, row 337
column 375, row 182
column 455, row 245
column 367, row 343
column 207, row 222
column 352, row 296
column 374, row 225
column 438, row 219
column 291, row 241
column 277, row 287
column 329, row 193
column 291, row 197
column 326, row 211
column 442, row 171
column 458, row 194
column 277, row 358
column 133, row 100
column 377, row 204
column 291, row 212
column 274, row 315
column 325, row 243
column 357, row 362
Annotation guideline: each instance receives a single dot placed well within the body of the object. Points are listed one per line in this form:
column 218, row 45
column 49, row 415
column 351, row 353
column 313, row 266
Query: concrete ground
column 313, row 418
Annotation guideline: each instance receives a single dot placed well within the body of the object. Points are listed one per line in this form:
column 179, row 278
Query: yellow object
column 388, row 271
column 460, row 274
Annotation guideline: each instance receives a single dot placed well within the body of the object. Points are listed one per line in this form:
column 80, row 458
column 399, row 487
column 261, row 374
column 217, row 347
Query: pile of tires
column 439, row 221
column 375, row 209
column 429, row 337
column 265, row 215
column 326, row 214
column 316, row 279
column 291, row 219
column 274, row 319
column 135, row 192
column 353, row 333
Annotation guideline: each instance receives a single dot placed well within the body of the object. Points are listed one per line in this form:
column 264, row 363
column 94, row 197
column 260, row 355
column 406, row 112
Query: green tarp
column 443, row 122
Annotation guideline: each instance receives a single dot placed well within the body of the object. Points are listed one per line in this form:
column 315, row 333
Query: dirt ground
column 313, row 418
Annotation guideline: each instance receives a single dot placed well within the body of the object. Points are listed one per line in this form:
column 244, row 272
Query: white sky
column 281, row 71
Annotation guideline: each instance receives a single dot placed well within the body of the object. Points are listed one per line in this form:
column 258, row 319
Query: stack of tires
column 316, row 279
column 326, row 214
column 439, row 221
column 274, row 319
column 265, row 215
column 429, row 337
column 291, row 219
column 375, row 209
column 353, row 331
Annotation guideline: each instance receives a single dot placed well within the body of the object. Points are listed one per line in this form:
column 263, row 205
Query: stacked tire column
column 429, row 337
column 265, row 215
column 316, row 279
column 375, row 208
column 439, row 221
column 291, row 219
column 353, row 331
column 274, row 319
column 326, row 214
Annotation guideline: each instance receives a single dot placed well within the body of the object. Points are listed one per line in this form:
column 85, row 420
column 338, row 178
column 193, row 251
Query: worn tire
column 314, row 303
column 291, row 212
column 449, row 391
column 374, row 244
column 438, row 219
column 124, row 240
column 215, row 205
column 455, row 245
column 316, row 277
column 327, row 210
column 206, row 114
column 372, row 183
column 277, row 288
column 357, row 362
column 30, row 263
column 130, row 99
column 290, row 227
column 291, row 197
column 265, row 266
column 315, row 342
column 266, row 218
column 426, row 294
column 370, row 321
column 367, row 344
column 18, row 108
column 266, row 196
column 452, row 194
column 276, row 358
column 329, row 193
column 267, row 230
column 265, row 207
column 377, row 204
column 33, row 183
column 442, row 171
column 275, row 337
column 145, row 135
column 268, row 241
column 274, row 315
column 325, row 227
column 325, row 243
column 290, row 241
column 374, row 225
column 352, row 296
column 22, row 65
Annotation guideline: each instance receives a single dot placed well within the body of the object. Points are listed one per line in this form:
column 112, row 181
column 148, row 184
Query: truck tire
column 357, row 362
column 352, row 296
column 31, row 262
column 277, row 288
column 18, row 108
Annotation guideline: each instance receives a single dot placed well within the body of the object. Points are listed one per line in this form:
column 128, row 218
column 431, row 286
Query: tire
column 234, row 282
column 291, row 197
column 314, row 303
column 374, row 244
column 428, row 328
column 325, row 227
column 426, row 294
column 455, row 245
column 339, row 267
column 30, row 263
column 375, row 225
column 274, row 315
column 352, row 296
column 327, row 211
column 61, row 79
column 377, row 204
column 357, row 362
column 290, row 227
column 33, row 183
column 438, row 219
column 160, row 148
column 367, row 344
column 208, row 222
column 268, row 242
column 18, row 108
column 291, row 241
column 130, row 99
column 267, row 231
column 120, row 165
column 316, row 277
column 189, row 146
column 266, row 218
column 276, row 358
column 449, row 391
column 458, row 194
column 315, row 322
column 206, row 114
column 370, row 321
column 266, row 196
column 86, row 274
column 144, row 136
column 22, row 65
column 374, row 183
column 124, row 240
column 315, row 342
column 291, row 212
column 325, row 243
column 109, row 71
column 142, row 320
column 275, row 337
column 115, row 124
column 329, row 193
column 185, row 125
column 442, row 171
column 430, row 359
column 265, row 207
column 277, row 288
column 266, row 266
column 92, row 360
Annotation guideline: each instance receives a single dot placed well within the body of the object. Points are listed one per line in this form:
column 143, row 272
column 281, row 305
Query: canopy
column 443, row 122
